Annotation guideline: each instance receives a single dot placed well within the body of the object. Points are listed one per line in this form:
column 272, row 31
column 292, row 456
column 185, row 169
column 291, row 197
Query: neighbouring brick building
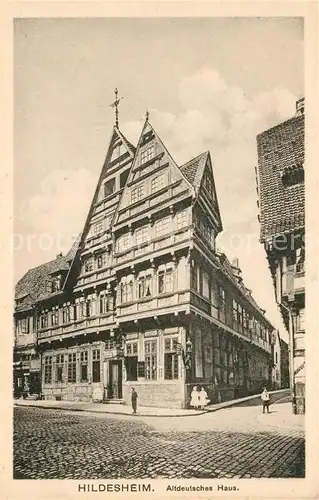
column 282, row 220
column 144, row 299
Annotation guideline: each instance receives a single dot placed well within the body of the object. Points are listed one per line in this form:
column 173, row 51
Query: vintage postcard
column 156, row 212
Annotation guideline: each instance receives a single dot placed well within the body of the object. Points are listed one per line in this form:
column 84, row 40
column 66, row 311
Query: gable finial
column 147, row 115
column 115, row 105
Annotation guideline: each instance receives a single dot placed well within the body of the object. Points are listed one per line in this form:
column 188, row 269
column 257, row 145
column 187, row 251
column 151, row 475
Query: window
column 300, row 260
column 235, row 315
column 124, row 242
column 98, row 228
column 291, row 178
column 66, row 315
column 162, row 226
column 137, row 193
column 158, row 183
column 170, row 359
column 222, row 305
column 48, row 370
column 276, row 358
column 59, row 367
column 182, row 219
column 131, row 361
column 109, row 187
column 106, row 303
column 123, row 177
column 165, row 281
column 44, row 320
column 240, row 317
column 88, row 265
column 96, row 365
column 144, row 286
column 101, row 260
column 141, row 235
column 126, row 292
column 300, row 320
column 151, row 359
column 206, row 284
column 84, row 366
column 194, row 277
column 55, row 318
column 55, row 284
column 147, row 154
column 25, row 325
column 72, row 368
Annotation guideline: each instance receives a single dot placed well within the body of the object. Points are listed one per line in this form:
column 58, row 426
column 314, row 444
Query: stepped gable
column 280, row 154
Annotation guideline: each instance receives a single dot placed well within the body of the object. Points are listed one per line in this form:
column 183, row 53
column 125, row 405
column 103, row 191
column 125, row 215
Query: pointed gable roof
column 115, row 136
column 194, row 169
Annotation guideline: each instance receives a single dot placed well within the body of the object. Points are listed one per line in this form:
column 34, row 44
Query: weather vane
column 115, row 105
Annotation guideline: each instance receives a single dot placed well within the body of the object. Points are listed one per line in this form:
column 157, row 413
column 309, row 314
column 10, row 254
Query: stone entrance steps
column 114, row 401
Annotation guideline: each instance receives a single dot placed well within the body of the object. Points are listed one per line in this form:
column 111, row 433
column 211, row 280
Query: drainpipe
column 291, row 359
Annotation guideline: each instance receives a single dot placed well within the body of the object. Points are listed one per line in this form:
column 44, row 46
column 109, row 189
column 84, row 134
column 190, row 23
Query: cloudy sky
column 209, row 84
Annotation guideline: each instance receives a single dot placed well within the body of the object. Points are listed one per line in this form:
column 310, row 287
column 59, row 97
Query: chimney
column 300, row 107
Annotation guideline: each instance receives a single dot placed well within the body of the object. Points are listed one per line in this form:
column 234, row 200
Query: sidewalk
column 114, row 409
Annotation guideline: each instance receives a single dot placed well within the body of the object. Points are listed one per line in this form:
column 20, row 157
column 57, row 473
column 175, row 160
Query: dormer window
column 292, row 176
column 56, row 284
column 147, row 154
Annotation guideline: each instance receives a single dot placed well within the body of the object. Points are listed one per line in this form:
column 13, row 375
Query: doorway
column 115, row 379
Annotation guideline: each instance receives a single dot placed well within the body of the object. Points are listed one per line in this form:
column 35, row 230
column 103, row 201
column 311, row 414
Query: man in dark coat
column 134, row 399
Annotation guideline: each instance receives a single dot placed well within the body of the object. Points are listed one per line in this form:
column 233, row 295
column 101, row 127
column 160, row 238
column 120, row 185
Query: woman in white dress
column 203, row 398
column 194, row 398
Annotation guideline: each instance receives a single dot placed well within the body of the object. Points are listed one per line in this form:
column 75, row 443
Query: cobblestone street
column 230, row 443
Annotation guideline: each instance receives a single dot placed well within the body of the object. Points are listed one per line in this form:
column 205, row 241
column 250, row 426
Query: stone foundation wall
column 160, row 394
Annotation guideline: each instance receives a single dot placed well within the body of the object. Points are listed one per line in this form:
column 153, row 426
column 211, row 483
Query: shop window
column 48, row 370
column 151, row 359
column 144, row 286
column 137, row 193
column 59, row 367
column 96, row 365
column 72, row 368
column 131, row 361
column 147, row 154
column 109, row 187
column 84, row 366
column 165, row 281
column 170, row 359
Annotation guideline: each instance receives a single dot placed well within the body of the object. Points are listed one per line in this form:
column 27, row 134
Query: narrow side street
column 230, row 443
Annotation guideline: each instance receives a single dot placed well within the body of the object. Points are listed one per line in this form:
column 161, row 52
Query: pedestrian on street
column 134, row 397
column 265, row 399
column 195, row 398
column 203, row 398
